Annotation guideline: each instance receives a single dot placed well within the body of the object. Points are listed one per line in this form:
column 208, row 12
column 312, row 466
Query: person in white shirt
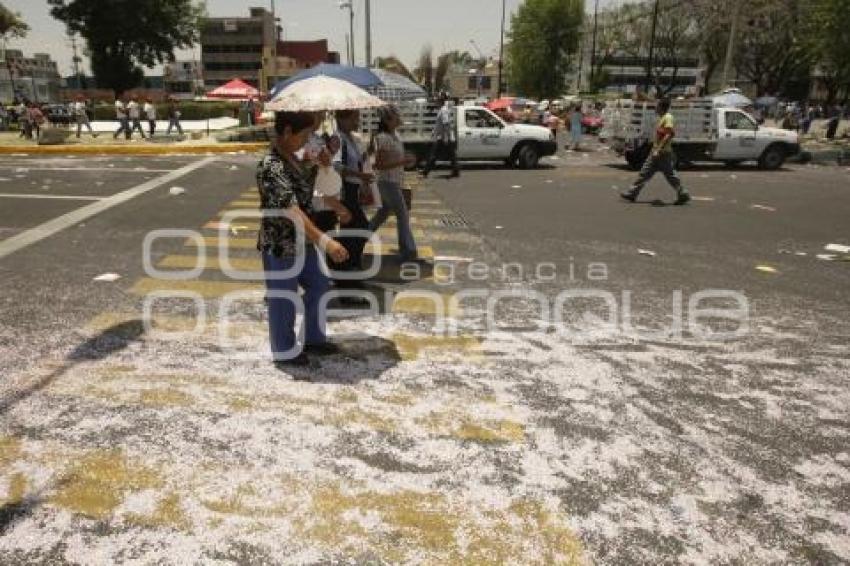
column 150, row 113
column 81, row 116
column 123, row 122
column 134, row 110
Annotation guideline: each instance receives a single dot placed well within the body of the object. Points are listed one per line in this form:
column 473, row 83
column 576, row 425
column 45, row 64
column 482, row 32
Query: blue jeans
column 282, row 310
column 393, row 201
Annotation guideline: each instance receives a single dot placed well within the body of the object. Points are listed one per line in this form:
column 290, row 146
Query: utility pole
column 350, row 5
column 501, row 53
column 730, row 47
column 76, row 61
column 348, row 48
column 368, row 34
column 649, row 61
column 593, row 47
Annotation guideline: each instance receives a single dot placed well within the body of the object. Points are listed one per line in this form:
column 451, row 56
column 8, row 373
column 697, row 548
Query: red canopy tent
column 235, row 89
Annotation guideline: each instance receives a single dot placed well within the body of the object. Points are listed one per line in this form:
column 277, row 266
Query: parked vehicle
column 703, row 133
column 481, row 135
column 591, row 124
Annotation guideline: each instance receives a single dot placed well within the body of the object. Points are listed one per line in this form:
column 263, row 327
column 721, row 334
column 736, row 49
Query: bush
column 189, row 110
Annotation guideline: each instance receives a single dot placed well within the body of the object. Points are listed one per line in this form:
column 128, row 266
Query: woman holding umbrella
column 291, row 259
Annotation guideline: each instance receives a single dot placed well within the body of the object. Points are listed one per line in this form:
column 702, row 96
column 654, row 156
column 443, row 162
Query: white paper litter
column 516, row 186
column 733, row 177
column 827, row 257
column 704, row 176
column 3, row 180
column 234, row 167
column 837, row 248
column 499, row 227
column 107, row 277
column 766, row 269
column 763, row 207
column 649, row 253
column 548, row 181
column 176, row 191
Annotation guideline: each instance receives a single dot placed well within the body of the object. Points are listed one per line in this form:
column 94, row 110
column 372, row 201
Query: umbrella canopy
column 236, row 88
column 319, row 93
column 395, row 87
column 507, row 102
column 358, row 76
column 732, row 99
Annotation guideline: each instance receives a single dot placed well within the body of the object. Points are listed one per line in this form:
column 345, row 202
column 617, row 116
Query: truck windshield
column 477, row 118
column 739, row 121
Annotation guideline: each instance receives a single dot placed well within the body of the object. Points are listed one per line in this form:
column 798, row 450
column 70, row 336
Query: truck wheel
column 772, row 158
column 528, row 157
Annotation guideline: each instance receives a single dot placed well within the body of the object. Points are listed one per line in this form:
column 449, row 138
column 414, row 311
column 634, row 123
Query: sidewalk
column 105, row 143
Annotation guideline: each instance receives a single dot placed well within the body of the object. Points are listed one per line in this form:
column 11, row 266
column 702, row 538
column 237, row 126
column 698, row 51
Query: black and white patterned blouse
column 281, row 184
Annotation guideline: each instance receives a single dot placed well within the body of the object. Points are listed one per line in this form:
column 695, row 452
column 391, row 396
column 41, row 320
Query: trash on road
column 733, row 177
column 703, row 199
column 99, row 183
column 107, row 277
column 704, row 176
column 3, row 180
column 649, row 253
column 516, row 186
column 499, row 227
column 827, row 257
column 837, row 248
column 766, row 269
column 176, row 191
column 549, row 181
column 763, row 207
column 234, row 167
column 452, row 258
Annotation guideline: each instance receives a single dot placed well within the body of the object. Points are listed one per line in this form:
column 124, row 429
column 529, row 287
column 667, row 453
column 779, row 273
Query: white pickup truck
column 703, row 133
column 481, row 135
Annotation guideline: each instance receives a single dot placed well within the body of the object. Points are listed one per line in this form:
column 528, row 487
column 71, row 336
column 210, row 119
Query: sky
column 399, row 27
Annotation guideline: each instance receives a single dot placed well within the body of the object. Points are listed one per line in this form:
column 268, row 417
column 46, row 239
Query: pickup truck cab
column 703, row 133
column 480, row 134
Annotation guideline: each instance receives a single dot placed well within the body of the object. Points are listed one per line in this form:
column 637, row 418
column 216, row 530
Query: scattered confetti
column 107, row 277
column 766, row 269
column 649, row 253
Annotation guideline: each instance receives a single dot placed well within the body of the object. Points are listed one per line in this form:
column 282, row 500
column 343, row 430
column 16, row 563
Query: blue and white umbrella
column 733, row 100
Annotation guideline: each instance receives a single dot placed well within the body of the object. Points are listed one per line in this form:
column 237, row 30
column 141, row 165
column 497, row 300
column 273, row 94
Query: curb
column 823, row 157
column 133, row 150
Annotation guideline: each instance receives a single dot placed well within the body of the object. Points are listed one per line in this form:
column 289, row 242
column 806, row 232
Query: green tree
column 544, row 36
column 394, row 65
column 11, row 24
column 771, row 52
column 444, row 64
column 122, row 36
column 827, row 40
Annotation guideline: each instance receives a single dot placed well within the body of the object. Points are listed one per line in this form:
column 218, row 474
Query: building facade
column 478, row 81
column 235, row 48
column 33, row 78
column 183, row 79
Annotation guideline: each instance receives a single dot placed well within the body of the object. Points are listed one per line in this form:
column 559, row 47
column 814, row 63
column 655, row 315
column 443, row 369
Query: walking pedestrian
column 443, row 137
column 81, row 116
column 36, row 119
column 123, row 121
column 661, row 158
column 150, row 114
column 575, row 126
column 350, row 162
column 22, row 111
column 390, row 162
column 290, row 245
column 174, row 117
column 134, row 112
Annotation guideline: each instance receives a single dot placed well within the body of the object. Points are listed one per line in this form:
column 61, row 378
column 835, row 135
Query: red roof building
column 307, row 53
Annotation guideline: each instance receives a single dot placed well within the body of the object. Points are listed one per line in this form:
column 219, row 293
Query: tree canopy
column 11, row 24
column 544, row 36
column 122, row 36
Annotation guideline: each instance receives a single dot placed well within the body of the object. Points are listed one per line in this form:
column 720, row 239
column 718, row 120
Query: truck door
column 736, row 136
column 479, row 135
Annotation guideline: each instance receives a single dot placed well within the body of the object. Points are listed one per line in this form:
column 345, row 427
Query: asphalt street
column 461, row 425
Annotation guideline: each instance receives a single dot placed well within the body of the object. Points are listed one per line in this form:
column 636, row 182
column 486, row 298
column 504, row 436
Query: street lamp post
column 350, row 5
column 368, row 34
column 501, row 53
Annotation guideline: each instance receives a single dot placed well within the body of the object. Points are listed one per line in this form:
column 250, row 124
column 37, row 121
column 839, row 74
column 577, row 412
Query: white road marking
column 51, row 227
column 58, row 197
column 86, row 169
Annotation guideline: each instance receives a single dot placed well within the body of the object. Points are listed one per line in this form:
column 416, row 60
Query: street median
column 80, row 149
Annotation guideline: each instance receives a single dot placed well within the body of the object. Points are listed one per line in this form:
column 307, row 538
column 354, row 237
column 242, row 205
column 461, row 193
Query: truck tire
column 528, row 156
column 772, row 158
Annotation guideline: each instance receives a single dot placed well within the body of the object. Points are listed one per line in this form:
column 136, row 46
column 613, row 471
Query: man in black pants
column 443, row 136
column 349, row 163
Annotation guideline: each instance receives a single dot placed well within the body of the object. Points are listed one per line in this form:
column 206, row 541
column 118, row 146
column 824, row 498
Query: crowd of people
column 130, row 113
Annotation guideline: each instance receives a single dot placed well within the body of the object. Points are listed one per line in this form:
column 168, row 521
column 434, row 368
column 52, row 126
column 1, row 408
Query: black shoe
column 302, row 360
column 684, row 198
column 630, row 196
column 326, row 349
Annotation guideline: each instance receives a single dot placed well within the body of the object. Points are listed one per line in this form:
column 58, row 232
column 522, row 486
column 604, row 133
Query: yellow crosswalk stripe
column 206, row 289
column 214, row 242
column 412, row 347
column 425, row 252
column 211, row 262
column 422, row 303
column 241, row 204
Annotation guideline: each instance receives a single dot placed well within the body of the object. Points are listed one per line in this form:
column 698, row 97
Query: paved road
column 440, row 436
